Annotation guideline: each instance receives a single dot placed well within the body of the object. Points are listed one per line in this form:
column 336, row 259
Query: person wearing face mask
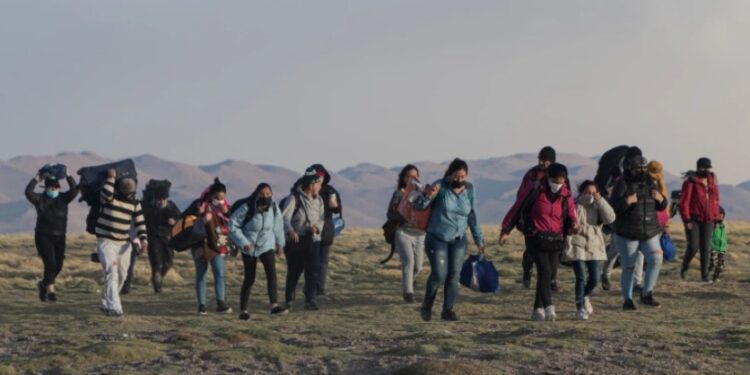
column 257, row 227
column 636, row 199
column 161, row 214
column 532, row 178
column 332, row 198
column 409, row 242
column 51, row 228
column 699, row 210
column 454, row 209
column 119, row 211
column 304, row 221
column 212, row 210
column 587, row 247
column 549, row 215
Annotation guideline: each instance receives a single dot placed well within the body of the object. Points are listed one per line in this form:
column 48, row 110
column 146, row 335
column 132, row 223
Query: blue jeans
column 584, row 286
column 628, row 249
column 201, row 268
column 446, row 259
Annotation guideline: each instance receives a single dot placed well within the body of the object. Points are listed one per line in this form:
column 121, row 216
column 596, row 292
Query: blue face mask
column 53, row 193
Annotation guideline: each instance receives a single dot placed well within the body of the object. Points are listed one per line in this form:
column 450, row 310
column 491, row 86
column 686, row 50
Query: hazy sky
column 341, row 82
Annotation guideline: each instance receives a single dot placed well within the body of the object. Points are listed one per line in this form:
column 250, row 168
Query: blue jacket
column 265, row 230
column 452, row 213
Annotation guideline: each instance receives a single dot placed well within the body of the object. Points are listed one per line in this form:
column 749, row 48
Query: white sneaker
column 582, row 314
column 587, row 305
column 549, row 313
column 538, row 315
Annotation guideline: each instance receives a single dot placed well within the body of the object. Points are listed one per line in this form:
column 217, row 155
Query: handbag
column 549, row 242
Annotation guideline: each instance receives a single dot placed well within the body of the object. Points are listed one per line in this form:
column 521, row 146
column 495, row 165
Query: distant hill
column 365, row 188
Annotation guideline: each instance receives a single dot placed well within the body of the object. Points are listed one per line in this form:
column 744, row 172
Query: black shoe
column 42, row 292
column 629, row 305
column 311, row 306
column 526, row 280
column 222, row 308
column 426, row 312
column 51, row 297
column 637, row 289
column 320, row 292
column 125, row 290
column 606, row 285
column 245, row 315
column 409, row 297
column 202, row 310
column 279, row 310
column 649, row 300
column 449, row 316
column 683, row 272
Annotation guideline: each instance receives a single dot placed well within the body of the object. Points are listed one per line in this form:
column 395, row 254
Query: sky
column 387, row 82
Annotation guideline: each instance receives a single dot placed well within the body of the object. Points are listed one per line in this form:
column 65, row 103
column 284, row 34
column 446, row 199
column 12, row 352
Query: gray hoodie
column 311, row 214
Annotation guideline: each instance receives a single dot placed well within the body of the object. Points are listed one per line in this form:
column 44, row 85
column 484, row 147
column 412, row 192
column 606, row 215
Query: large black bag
column 93, row 178
column 55, row 171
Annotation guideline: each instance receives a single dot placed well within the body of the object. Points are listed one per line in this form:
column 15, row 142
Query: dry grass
column 363, row 327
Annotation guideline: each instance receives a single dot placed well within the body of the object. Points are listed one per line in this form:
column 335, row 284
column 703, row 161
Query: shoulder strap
column 299, row 206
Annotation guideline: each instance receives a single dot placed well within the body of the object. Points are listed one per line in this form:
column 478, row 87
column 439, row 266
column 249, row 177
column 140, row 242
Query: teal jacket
column 265, row 230
column 452, row 213
column 719, row 240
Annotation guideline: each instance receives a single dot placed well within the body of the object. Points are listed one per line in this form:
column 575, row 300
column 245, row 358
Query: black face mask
column 264, row 201
column 702, row 174
column 458, row 184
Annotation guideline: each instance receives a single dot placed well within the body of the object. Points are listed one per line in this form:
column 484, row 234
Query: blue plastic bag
column 668, row 248
column 338, row 225
column 480, row 275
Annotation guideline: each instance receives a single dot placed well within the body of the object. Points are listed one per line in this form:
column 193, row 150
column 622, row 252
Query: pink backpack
column 418, row 219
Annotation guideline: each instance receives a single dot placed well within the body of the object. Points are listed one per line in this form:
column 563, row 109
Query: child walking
column 719, row 244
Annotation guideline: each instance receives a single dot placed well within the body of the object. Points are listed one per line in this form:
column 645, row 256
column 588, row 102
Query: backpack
column 250, row 208
column 418, row 219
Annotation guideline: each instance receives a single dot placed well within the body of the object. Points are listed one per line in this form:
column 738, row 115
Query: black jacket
column 51, row 214
column 157, row 219
column 326, row 238
column 636, row 221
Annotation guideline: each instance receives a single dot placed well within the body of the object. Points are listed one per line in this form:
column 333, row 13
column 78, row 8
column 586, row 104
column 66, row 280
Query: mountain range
column 365, row 188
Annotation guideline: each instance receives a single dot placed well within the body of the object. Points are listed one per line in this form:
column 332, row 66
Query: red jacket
column 700, row 202
column 546, row 215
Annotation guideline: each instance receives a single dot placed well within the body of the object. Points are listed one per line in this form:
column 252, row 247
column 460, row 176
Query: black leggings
column 699, row 239
column 528, row 263
column 302, row 257
column 269, row 264
column 52, row 251
column 161, row 258
column 544, row 263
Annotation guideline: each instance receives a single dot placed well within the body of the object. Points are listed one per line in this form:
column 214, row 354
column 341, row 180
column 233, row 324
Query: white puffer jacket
column 589, row 243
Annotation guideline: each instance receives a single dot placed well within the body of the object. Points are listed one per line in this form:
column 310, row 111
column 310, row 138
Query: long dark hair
column 455, row 166
column 585, row 185
column 405, row 171
column 258, row 188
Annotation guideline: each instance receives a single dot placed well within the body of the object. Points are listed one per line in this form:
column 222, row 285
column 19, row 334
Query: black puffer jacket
column 636, row 221
column 51, row 214
column 157, row 219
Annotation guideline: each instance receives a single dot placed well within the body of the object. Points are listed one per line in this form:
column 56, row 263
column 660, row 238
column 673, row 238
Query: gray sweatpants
column 114, row 257
column 613, row 254
column 410, row 248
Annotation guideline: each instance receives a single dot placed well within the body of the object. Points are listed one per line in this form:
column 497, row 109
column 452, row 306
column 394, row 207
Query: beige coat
column 589, row 243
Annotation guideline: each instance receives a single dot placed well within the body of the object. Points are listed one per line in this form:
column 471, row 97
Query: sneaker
column 279, row 310
column 426, row 312
column 706, row 280
column 629, row 305
column 449, row 316
column 245, row 315
column 42, row 292
column 202, row 310
column 51, row 297
column 222, row 308
column 606, row 285
column 587, row 305
column 556, row 288
column 311, row 306
column 538, row 315
column 409, row 297
column 549, row 313
column 114, row 313
column 716, row 279
column 649, row 300
column 582, row 314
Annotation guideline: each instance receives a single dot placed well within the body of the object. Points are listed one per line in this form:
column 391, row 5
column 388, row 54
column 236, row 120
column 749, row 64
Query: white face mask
column 555, row 188
column 217, row 202
column 587, row 199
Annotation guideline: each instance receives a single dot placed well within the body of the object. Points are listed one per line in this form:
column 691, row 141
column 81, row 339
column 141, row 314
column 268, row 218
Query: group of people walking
column 582, row 226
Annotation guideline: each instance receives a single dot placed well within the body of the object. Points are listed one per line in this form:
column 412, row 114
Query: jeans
column 629, row 249
column 52, row 251
column 303, row 257
column 250, row 264
column 201, row 268
column 446, row 259
column 613, row 254
column 584, row 286
column 410, row 248
column 114, row 256
column 699, row 238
